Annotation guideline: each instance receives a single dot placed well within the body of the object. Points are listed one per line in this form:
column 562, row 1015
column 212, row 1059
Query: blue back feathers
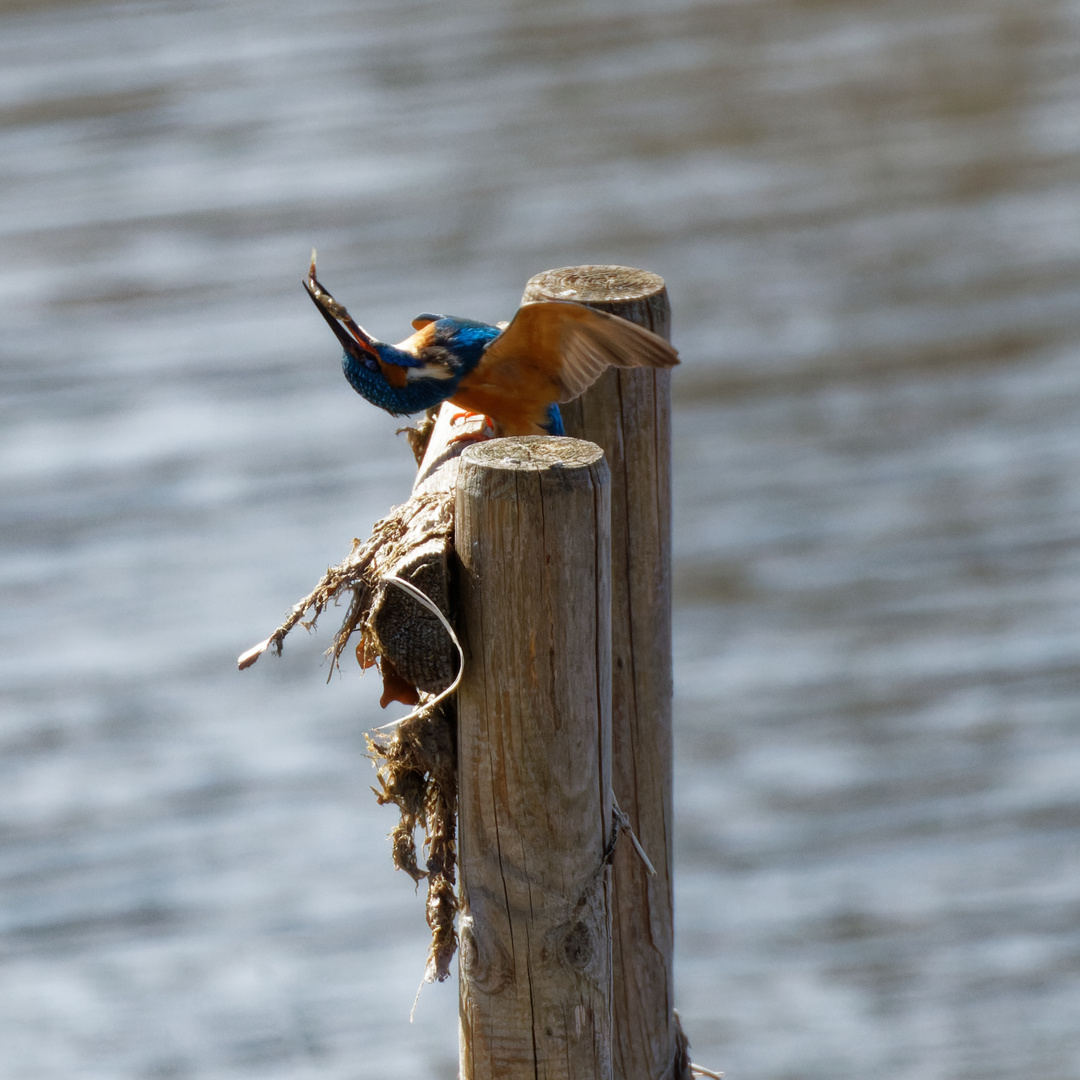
column 554, row 425
column 466, row 340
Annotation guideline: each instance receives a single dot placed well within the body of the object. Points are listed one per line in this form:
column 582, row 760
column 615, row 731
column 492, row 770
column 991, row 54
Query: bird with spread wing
column 516, row 374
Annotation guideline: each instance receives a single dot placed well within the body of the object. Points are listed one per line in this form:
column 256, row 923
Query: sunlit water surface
column 868, row 215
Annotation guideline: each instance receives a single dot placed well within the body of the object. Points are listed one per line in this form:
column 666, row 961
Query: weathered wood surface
column 534, row 761
column 403, row 631
column 628, row 414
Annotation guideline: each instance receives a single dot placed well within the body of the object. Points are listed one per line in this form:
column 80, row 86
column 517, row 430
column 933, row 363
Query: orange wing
column 554, row 350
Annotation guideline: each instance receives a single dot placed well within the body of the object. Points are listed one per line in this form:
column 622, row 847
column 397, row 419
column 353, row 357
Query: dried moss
column 416, row 763
column 417, row 772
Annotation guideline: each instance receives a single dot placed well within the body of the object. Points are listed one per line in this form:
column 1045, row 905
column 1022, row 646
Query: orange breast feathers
column 553, row 351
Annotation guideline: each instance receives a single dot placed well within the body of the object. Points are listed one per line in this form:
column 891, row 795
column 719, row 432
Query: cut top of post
column 633, row 294
column 597, row 284
column 532, row 453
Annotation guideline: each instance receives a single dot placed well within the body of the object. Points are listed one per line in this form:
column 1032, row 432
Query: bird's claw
column 466, row 415
column 485, row 431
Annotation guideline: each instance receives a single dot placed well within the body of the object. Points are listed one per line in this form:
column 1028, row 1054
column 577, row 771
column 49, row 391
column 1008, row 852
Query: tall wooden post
column 534, row 789
column 628, row 414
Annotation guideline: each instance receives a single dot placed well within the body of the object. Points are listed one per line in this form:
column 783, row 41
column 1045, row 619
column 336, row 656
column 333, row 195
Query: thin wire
column 624, row 823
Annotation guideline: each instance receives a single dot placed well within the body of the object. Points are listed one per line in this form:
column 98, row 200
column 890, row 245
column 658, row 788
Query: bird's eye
column 371, row 363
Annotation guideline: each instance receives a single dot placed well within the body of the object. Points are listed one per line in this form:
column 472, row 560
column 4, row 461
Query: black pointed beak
column 354, row 340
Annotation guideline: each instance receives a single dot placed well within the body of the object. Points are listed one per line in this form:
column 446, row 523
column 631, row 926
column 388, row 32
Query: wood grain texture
column 628, row 414
column 532, row 536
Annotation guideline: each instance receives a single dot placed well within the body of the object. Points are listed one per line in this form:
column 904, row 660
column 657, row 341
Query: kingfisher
column 515, row 374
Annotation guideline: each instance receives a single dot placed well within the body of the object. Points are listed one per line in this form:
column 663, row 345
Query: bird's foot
column 485, row 431
column 465, row 415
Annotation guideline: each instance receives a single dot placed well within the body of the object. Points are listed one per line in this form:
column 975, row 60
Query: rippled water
column 868, row 216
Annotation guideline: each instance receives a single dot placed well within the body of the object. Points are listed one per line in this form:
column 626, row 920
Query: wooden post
column 532, row 536
column 628, row 414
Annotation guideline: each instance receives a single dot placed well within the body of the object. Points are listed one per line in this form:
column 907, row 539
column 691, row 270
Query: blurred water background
column 868, row 216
